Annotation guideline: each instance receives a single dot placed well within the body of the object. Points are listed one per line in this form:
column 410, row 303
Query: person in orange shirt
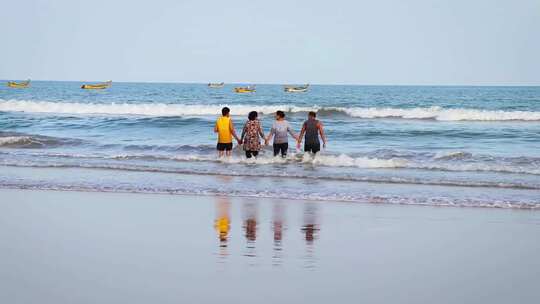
column 225, row 129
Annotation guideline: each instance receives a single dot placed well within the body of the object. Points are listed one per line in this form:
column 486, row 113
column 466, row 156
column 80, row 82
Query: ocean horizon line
column 286, row 83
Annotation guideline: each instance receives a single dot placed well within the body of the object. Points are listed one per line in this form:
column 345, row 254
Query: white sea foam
column 306, row 159
column 360, row 162
column 319, row 160
column 148, row 109
column 438, row 113
column 161, row 109
column 369, row 163
column 13, row 140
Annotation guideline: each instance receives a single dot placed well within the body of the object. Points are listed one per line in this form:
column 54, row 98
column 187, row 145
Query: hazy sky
column 273, row 41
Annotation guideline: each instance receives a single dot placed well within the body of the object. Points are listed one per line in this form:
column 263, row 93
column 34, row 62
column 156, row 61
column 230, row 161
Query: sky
column 387, row 42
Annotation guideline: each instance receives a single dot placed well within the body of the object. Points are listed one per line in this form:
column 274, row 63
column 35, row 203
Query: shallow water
column 467, row 137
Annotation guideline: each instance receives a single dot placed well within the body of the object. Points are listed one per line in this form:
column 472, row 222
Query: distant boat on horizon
column 248, row 89
column 19, row 85
column 216, row 85
column 97, row 86
column 295, row 89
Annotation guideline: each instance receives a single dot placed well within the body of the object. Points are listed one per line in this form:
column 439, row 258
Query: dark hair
column 312, row 114
column 252, row 115
column 225, row 111
column 280, row 114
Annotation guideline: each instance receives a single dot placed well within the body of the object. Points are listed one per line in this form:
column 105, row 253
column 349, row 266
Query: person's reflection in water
column 222, row 223
column 278, row 227
column 250, row 228
column 310, row 229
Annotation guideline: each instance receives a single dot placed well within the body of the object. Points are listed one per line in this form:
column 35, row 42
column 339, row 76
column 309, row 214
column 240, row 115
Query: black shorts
column 251, row 153
column 281, row 148
column 313, row 148
column 224, row 147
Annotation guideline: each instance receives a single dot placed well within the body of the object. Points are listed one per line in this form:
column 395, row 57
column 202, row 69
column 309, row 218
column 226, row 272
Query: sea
column 464, row 146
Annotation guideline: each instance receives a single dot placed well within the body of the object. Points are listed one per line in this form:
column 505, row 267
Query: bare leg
column 229, row 152
column 220, row 154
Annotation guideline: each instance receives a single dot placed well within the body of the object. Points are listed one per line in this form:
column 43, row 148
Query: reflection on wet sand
column 310, row 229
column 250, row 218
column 277, row 227
column 222, row 223
column 250, row 227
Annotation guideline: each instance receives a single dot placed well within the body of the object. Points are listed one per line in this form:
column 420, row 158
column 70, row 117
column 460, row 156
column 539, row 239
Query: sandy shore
column 76, row 247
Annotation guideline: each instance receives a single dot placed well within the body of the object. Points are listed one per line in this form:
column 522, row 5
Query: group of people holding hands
column 253, row 134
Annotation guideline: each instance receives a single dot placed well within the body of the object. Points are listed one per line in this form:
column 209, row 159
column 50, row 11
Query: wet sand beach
column 84, row 247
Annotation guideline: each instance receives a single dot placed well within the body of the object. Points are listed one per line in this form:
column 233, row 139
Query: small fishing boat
column 248, row 89
column 216, row 85
column 19, row 85
column 97, row 86
column 293, row 89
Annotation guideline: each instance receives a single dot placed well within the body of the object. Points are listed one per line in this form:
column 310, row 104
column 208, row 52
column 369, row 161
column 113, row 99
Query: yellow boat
column 19, row 85
column 248, row 89
column 98, row 86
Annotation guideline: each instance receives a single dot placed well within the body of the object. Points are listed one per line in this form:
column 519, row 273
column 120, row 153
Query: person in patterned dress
column 251, row 135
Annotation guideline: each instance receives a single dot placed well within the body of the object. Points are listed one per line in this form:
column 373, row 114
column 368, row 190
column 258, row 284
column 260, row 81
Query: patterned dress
column 251, row 135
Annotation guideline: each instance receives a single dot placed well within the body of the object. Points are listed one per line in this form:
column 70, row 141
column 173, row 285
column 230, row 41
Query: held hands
column 239, row 141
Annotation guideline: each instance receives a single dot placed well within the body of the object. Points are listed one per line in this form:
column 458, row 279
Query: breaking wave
column 19, row 140
column 162, row 109
column 14, row 140
column 442, row 114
